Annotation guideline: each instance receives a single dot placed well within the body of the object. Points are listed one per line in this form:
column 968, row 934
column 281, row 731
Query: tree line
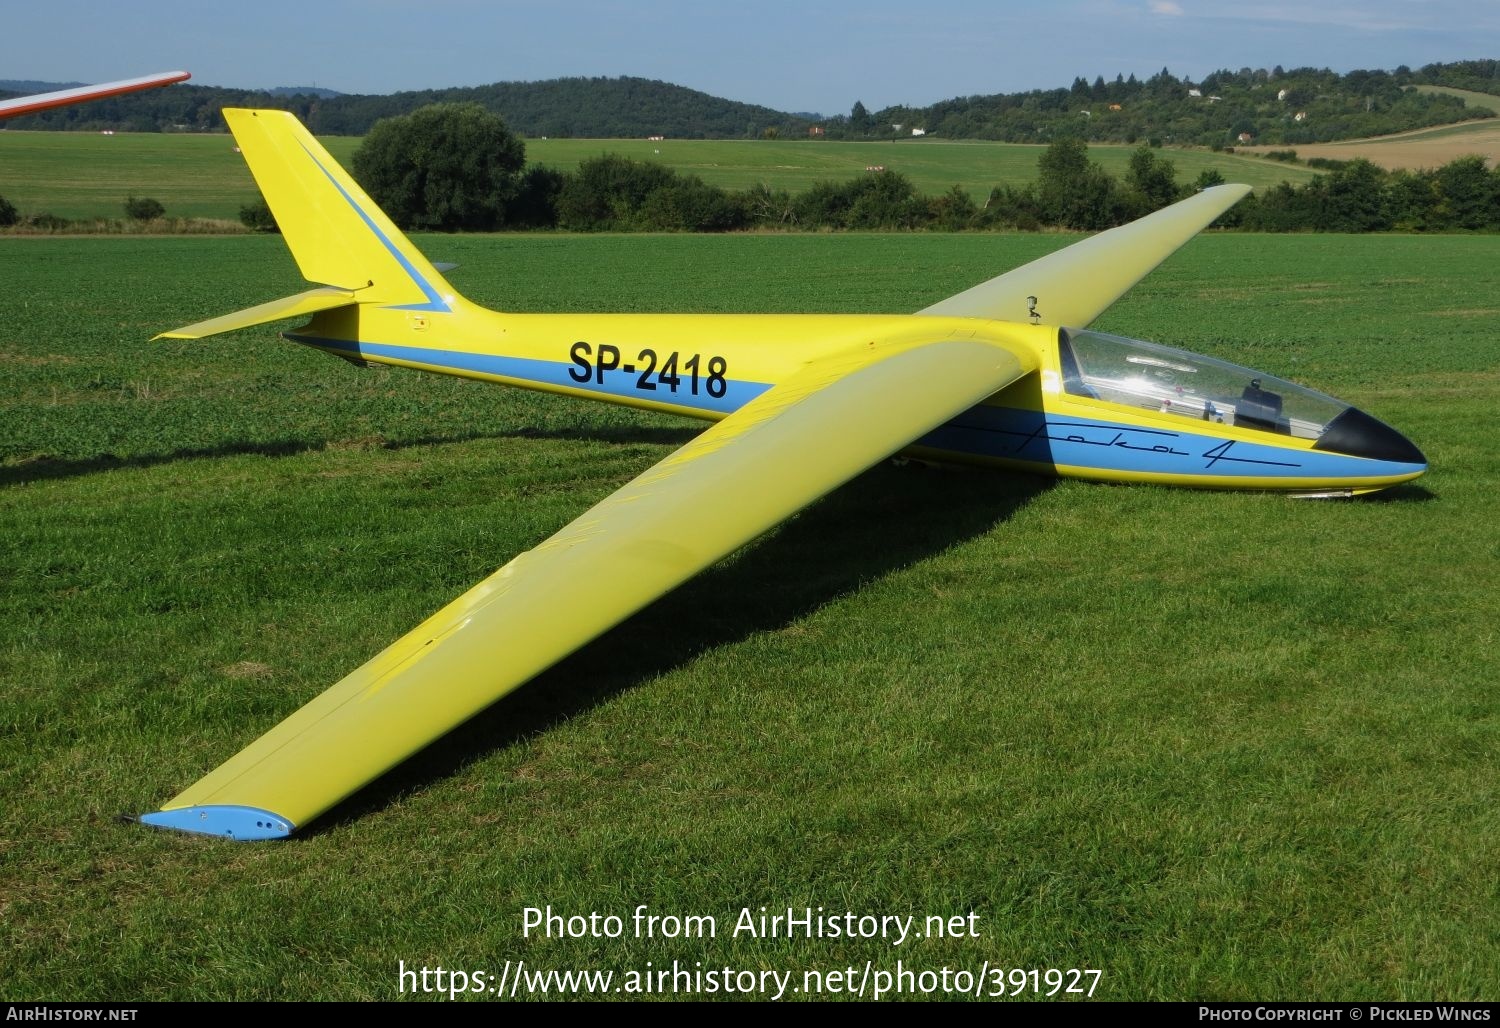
column 457, row 167
column 579, row 107
column 1263, row 104
column 1275, row 107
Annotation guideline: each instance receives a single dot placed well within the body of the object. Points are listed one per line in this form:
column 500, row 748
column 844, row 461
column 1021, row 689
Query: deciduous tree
column 444, row 167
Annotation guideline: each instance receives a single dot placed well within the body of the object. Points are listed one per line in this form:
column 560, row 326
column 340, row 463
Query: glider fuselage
column 1169, row 417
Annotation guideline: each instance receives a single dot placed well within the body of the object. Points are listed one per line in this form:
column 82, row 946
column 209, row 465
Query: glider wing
column 783, row 450
column 1074, row 285
column 17, row 106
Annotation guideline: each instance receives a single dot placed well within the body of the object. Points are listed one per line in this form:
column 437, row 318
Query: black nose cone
column 1357, row 434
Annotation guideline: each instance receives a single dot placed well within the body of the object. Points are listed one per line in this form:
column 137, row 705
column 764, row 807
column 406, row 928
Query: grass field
column 1421, row 148
column 1214, row 745
column 1471, row 98
column 78, row 175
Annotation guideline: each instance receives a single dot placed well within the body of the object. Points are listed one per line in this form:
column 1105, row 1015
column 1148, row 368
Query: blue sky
column 817, row 55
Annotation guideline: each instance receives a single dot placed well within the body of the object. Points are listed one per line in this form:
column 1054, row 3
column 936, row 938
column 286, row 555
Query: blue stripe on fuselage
column 616, row 381
column 435, row 301
column 1025, row 435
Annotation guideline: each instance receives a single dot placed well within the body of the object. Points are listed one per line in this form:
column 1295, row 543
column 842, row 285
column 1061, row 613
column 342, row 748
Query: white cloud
column 1165, row 7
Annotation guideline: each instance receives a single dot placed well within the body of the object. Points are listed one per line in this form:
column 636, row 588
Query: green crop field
column 1211, row 745
column 82, row 175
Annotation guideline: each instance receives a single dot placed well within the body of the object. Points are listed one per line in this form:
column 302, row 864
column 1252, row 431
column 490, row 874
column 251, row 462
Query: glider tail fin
column 339, row 238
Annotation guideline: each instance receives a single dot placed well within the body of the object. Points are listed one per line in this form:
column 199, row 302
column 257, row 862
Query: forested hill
column 579, row 107
column 1304, row 105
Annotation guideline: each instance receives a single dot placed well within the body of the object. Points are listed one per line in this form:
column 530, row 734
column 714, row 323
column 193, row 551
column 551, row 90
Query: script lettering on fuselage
column 1130, row 439
column 652, row 372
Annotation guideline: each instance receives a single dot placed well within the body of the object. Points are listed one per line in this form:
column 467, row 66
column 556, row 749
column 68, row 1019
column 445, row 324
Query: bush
column 691, row 205
column 256, row 216
column 1075, row 192
column 445, row 167
column 535, row 203
column 951, row 211
column 143, row 208
column 886, row 199
column 46, row 221
column 1011, row 207
column 8, row 215
column 607, row 192
column 766, row 206
column 880, row 199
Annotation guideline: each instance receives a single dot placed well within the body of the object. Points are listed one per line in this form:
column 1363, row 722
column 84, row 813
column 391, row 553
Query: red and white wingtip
column 61, row 98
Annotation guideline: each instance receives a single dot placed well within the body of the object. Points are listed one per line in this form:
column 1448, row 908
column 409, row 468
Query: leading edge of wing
column 778, row 453
column 1074, row 285
column 21, row 105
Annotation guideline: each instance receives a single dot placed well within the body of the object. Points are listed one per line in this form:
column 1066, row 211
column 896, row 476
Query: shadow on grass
column 1406, row 493
column 40, row 469
column 888, row 518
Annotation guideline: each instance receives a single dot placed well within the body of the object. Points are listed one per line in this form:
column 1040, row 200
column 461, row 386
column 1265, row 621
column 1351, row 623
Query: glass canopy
column 1139, row 374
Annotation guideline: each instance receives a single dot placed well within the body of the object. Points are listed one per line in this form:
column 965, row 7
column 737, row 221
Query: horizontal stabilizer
column 310, row 302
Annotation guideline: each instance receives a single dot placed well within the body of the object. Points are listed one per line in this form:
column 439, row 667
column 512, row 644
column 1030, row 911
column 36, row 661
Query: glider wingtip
column 241, row 824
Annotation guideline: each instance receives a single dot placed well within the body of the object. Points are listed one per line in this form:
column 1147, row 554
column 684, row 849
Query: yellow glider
column 802, row 403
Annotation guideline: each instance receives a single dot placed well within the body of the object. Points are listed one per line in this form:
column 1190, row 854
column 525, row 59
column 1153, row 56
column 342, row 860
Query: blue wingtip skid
column 242, row 824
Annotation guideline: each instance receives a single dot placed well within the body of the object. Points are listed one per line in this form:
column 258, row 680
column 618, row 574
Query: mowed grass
column 84, row 175
column 1215, row 745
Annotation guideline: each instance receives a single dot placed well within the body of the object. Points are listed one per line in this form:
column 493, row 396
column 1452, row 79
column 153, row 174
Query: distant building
column 1115, row 107
column 1281, row 94
column 919, row 132
column 815, row 131
column 1300, row 116
column 897, row 128
column 1245, row 137
column 655, row 139
column 1195, row 92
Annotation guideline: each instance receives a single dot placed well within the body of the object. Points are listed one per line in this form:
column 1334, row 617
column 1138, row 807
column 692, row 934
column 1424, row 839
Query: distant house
column 1115, row 107
column 1195, row 92
column 815, row 131
column 655, row 139
column 919, row 132
column 1214, row 99
column 1245, row 137
column 897, row 128
column 1281, row 94
column 1300, row 116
